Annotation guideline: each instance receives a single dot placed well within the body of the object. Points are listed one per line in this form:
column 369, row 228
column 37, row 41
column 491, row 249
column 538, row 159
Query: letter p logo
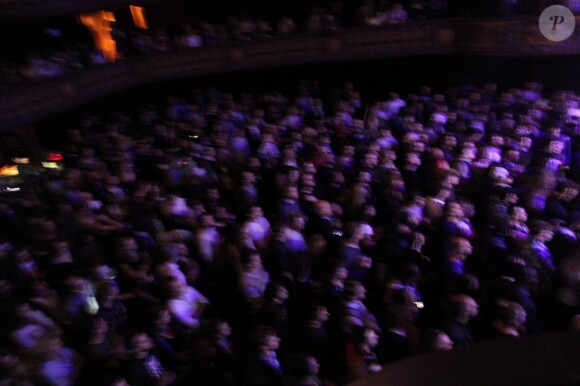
column 557, row 23
column 557, row 20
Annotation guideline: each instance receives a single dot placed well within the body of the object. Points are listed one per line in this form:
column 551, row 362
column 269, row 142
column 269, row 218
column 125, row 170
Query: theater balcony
column 513, row 37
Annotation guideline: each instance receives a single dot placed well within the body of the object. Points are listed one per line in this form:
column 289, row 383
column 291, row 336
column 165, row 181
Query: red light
column 55, row 157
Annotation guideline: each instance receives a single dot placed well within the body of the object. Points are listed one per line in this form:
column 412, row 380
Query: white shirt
column 207, row 239
column 185, row 306
column 258, row 229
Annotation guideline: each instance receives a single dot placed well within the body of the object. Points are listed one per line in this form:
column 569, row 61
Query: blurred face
column 299, row 223
column 324, row 208
column 556, row 147
column 282, row 293
column 365, row 177
column 371, row 338
column 23, row 310
column 142, row 342
column 371, row 159
column 224, row 329
column 313, row 366
column 469, row 153
column 342, row 273
column 389, row 155
column 273, row 342
column 255, row 260
column 308, row 180
column 164, row 317
column 207, row 220
column 472, row 307
column 176, row 287
column 309, row 168
column 444, row 342
column 545, row 235
column 520, row 214
column 131, row 249
column 455, row 210
column 361, row 292
column 465, row 247
column 520, row 317
column 55, row 344
column 450, row 141
column 257, row 212
column 292, row 193
column 322, row 314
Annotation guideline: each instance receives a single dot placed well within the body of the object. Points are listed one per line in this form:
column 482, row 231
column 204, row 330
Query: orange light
column 109, row 16
column 139, row 18
column 9, row 171
column 99, row 23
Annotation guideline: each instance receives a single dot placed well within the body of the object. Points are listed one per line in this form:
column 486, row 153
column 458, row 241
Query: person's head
column 410, row 272
column 544, row 235
column 307, row 180
column 23, row 310
column 339, row 272
column 159, row 316
column 176, row 251
column 404, row 296
column 51, row 343
column 207, row 220
column 354, row 290
column 555, row 131
column 371, row 160
column 449, row 141
column 453, row 209
column 22, row 256
column 360, row 193
column 266, row 339
column 129, row 249
column 297, row 221
column 222, row 329
column 510, row 313
column 468, row 153
column 389, row 155
column 435, row 340
column 463, row 307
column 292, row 192
column 460, row 247
column 254, row 260
column 248, row 177
column 277, row 291
column 365, row 337
column 519, row 214
column 106, row 292
column 318, row 312
column 300, row 367
column 255, row 212
column 139, row 343
column 308, row 167
column 323, row 208
column 509, row 196
column 175, row 287
column 364, row 232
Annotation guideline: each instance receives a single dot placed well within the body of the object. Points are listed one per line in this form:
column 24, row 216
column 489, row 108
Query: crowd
column 290, row 240
column 56, row 58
